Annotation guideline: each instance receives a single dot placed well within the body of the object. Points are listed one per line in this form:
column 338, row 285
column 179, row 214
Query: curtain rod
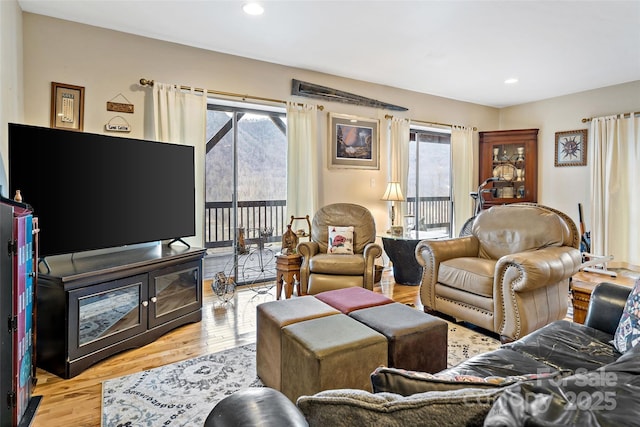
column 146, row 82
column 626, row 116
column 389, row 116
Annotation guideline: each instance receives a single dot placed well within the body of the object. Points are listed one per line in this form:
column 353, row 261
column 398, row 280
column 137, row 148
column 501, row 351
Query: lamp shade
column 393, row 192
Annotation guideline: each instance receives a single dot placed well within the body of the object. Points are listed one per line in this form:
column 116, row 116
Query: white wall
column 564, row 187
column 108, row 63
column 11, row 98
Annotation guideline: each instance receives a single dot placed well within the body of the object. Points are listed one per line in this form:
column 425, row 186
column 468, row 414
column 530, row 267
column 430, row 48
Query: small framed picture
column 354, row 142
column 67, row 106
column 571, row 148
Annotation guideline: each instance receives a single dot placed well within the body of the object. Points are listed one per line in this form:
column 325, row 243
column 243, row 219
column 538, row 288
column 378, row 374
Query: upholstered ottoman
column 354, row 298
column 328, row 353
column 271, row 317
column 417, row 340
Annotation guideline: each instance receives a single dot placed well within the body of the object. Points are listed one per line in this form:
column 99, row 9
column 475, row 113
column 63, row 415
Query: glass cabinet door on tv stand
column 173, row 291
column 511, row 158
column 106, row 314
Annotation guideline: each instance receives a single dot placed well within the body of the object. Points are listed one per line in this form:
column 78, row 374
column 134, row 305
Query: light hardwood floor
column 76, row 401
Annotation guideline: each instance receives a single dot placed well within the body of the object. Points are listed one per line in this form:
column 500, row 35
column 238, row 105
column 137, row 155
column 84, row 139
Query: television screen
column 92, row 191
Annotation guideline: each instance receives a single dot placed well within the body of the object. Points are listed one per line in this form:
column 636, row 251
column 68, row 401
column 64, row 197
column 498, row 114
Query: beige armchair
column 321, row 271
column 510, row 275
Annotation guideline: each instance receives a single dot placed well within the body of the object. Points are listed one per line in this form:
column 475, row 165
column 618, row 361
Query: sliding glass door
column 245, row 185
column 429, row 206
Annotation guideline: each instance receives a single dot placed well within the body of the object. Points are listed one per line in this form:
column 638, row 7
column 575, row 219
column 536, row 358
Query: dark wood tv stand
column 96, row 306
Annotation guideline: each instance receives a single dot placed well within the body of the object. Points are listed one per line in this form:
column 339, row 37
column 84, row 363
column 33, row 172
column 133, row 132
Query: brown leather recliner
column 510, row 275
column 321, row 271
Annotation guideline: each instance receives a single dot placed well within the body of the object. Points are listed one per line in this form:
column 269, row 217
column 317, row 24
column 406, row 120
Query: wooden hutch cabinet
column 512, row 157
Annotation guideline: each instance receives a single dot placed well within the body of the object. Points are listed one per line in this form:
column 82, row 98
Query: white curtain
column 614, row 161
column 180, row 117
column 302, row 163
column 399, row 161
column 462, row 175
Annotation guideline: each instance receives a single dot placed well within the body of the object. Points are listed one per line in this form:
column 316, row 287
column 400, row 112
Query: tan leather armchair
column 321, row 271
column 510, row 275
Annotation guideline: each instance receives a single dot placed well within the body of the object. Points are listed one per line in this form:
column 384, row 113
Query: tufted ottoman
column 353, row 298
column 417, row 340
column 328, row 353
column 271, row 317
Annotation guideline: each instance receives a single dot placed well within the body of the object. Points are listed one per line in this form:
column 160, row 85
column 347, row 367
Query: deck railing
column 257, row 215
column 253, row 216
column 434, row 212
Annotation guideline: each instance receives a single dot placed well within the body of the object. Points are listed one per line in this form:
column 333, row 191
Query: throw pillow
column 340, row 240
column 406, row 383
column 628, row 332
column 353, row 407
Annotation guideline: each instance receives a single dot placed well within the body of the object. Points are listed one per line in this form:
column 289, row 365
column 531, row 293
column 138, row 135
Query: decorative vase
column 520, row 151
column 496, row 151
column 241, row 246
column 289, row 241
column 507, row 192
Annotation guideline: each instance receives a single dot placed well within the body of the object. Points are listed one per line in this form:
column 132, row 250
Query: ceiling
column 464, row 50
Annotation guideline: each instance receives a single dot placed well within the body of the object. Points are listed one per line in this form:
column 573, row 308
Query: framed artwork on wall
column 67, row 106
column 571, row 148
column 354, row 142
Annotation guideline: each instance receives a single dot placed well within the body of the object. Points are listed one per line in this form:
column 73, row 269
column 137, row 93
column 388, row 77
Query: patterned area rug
column 183, row 393
column 465, row 343
column 179, row 394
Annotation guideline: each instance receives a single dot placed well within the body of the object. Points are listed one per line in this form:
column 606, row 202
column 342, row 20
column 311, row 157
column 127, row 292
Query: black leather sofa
column 583, row 381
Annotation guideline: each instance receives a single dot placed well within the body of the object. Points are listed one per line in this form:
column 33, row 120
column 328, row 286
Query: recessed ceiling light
column 511, row 81
column 253, row 9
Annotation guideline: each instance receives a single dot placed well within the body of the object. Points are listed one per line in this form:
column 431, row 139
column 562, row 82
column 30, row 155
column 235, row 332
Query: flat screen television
column 92, row 191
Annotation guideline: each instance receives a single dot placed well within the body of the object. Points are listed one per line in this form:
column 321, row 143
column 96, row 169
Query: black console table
column 401, row 252
column 96, row 306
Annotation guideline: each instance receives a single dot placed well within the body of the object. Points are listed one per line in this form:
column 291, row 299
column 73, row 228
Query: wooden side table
column 580, row 296
column 582, row 286
column 287, row 270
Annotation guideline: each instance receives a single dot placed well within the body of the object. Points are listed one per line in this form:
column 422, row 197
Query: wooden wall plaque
column 119, row 107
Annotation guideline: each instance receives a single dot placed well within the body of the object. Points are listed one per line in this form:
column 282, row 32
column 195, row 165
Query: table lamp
column 393, row 194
